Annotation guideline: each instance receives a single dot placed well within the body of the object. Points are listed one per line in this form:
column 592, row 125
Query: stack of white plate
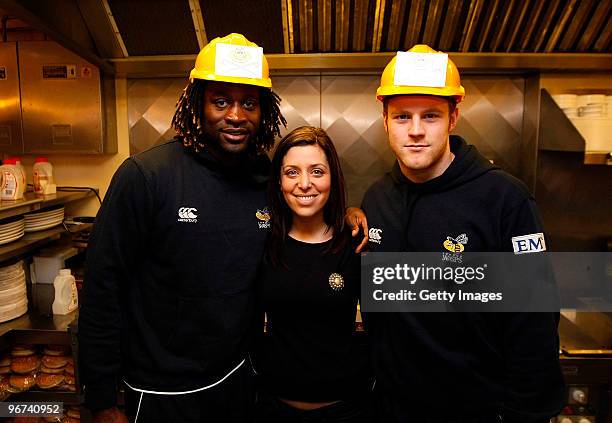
column 592, row 105
column 568, row 103
column 11, row 229
column 13, row 293
column 41, row 220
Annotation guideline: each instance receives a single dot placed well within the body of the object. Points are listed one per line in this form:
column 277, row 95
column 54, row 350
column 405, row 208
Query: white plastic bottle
column 11, row 181
column 66, row 295
column 23, row 172
column 42, row 174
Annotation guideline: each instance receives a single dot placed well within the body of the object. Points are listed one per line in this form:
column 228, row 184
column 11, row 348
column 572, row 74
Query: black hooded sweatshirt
column 461, row 364
column 168, row 297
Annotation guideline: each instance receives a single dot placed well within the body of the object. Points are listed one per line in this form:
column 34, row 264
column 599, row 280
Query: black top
column 465, row 363
column 311, row 353
column 169, row 297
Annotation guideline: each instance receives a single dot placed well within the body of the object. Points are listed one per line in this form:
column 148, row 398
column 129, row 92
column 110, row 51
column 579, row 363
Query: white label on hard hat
column 238, row 61
column 420, row 69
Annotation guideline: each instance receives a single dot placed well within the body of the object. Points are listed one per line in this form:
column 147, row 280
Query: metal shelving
column 34, row 327
column 37, row 329
column 32, row 202
column 34, row 240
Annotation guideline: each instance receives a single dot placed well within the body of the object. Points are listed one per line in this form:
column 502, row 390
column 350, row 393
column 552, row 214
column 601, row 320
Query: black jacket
column 168, row 298
column 461, row 364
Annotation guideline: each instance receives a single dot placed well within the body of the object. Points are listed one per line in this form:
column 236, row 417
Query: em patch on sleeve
column 532, row 243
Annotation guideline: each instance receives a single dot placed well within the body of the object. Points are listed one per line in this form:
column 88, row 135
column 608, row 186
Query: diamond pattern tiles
column 151, row 105
column 353, row 119
column 301, row 98
column 491, row 117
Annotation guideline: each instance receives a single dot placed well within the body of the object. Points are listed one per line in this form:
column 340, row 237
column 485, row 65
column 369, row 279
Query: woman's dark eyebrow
column 312, row 165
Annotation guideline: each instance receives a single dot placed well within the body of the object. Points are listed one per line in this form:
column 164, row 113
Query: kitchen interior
column 85, row 84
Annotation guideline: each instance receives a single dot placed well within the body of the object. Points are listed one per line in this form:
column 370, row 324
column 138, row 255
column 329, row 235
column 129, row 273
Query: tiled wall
column 491, row 117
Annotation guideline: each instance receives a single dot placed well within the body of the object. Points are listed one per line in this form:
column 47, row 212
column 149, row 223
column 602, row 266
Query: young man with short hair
column 452, row 367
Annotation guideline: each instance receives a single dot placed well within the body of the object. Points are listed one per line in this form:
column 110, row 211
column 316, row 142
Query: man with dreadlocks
column 168, row 301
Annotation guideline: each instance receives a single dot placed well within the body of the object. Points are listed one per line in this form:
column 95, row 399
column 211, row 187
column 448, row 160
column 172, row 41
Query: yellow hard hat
column 238, row 63
column 451, row 88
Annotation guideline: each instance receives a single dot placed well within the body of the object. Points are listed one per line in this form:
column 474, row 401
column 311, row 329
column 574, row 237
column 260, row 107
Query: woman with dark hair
column 311, row 365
